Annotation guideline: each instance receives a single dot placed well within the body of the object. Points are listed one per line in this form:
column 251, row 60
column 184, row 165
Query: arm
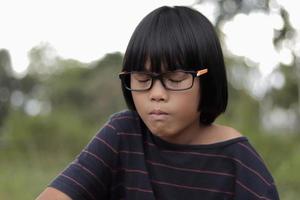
column 52, row 194
column 89, row 176
column 253, row 179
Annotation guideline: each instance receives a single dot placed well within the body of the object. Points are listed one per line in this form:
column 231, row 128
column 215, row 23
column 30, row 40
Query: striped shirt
column 125, row 161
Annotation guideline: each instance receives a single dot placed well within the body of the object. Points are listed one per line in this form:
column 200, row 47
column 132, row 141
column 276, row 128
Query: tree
column 286, row 98
column 6, row 84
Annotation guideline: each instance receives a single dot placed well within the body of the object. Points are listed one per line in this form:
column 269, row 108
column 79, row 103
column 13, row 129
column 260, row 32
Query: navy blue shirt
column 126, row 161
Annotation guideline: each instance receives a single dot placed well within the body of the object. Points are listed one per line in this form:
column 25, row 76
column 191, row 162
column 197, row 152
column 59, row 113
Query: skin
column 180, row 124
column 52, row 194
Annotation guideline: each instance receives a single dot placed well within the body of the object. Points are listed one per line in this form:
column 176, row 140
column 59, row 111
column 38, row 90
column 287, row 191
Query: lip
column 158, row 112
column 158, row 115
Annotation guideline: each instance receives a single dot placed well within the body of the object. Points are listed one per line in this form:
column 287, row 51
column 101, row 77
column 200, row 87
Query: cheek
column 188, row 105
column 190, row 99
column 139, row 101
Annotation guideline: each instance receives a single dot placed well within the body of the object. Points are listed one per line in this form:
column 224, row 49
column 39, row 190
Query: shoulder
column 248, row 162
column 124, row 114
column 229, row 131
column 119, row 124
column 242, row 152
column 106, row 142
column 224, row 133
column 124, row 120
column 122, row 123
column 251, row 172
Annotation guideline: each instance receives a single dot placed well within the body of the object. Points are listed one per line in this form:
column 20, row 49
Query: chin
column 162, row 132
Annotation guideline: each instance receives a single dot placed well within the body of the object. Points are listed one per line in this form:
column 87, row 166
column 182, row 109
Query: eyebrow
column 148, row 71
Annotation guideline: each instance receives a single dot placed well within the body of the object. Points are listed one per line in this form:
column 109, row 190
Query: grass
column 24, row 176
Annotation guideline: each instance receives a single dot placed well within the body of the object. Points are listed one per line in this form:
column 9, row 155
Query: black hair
column 180, row 38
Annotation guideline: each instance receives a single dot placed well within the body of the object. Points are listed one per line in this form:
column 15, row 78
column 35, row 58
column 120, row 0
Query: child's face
column 169, row 114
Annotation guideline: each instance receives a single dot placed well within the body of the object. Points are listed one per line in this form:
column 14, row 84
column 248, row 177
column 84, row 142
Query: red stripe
column 222, row 156
column 98, row 158
column 149, row 143
column 192, row 187
column 108, row 145
column 111, row 126
column 131, row 152
column 251, row 191
column 77, row 183
column 139, row 189
column 89, row 172
column 249, row 149
column 190, row 170
column 132, row 170
column 129, row 134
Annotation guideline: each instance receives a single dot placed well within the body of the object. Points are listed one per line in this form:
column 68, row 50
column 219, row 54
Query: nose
column 158, row 91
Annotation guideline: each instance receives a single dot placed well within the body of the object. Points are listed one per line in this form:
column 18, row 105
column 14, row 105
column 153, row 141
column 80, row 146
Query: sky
column 81, row 29
column 86, row 30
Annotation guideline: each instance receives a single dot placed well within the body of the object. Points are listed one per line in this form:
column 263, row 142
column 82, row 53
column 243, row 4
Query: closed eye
column 144, row 81
column 175, row 81
column 141, row 77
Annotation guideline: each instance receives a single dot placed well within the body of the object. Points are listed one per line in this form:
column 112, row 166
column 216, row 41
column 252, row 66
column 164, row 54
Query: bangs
column 179, row 37
column 163, row 42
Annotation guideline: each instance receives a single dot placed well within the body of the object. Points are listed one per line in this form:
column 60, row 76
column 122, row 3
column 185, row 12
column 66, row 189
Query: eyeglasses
column 172, row 80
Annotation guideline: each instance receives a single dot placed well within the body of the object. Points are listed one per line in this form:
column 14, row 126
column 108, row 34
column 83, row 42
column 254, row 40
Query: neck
column 198, row 134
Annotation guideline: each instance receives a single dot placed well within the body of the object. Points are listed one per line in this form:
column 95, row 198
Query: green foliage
column 5, row 83
column 62, row 131
column 286, row 96
column 281, row 154
column 92, row 93
column 81, row 96
column 25, row 174
column 80, row 99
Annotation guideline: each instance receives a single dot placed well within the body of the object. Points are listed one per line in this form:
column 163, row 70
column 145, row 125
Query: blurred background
column 59, row 65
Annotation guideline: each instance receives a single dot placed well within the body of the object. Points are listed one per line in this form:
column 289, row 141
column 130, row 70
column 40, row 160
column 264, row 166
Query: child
column 166, row 146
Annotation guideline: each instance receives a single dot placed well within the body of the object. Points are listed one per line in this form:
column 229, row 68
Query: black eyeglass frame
column 155, row 76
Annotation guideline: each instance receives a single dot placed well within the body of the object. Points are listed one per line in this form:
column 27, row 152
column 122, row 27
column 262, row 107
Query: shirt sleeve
column 253, row 179
column 89, row 176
